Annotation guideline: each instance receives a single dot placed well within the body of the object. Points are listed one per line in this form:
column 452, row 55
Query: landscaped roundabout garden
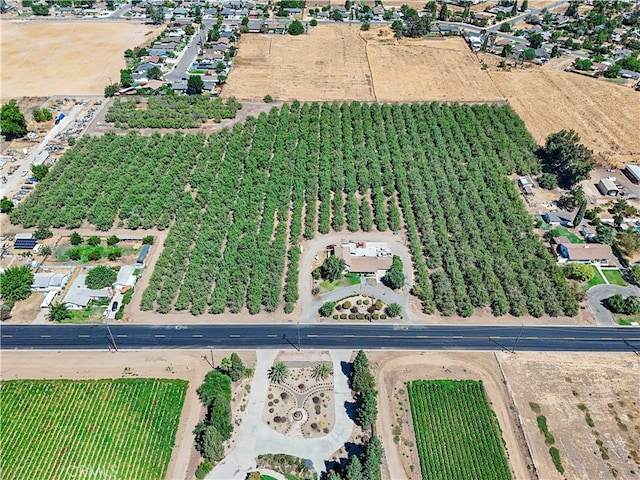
column 239, row 203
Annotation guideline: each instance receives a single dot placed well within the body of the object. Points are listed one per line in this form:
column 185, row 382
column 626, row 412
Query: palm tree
column 59, row 312
column 278, row 373
column 322, row 371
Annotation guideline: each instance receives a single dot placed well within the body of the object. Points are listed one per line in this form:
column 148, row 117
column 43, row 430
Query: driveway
column 397, row 245
column 597, row 294
column 255, row 437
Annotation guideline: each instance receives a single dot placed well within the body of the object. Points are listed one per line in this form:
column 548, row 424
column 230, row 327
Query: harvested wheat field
column 328, row 64
column 430, row 69
column 588, row 403
column 604, row 114
column 65, row 57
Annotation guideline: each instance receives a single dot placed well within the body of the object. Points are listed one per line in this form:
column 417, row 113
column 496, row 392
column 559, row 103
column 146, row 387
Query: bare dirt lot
column 571, row 391
column 174, row 364
column 338, row 62
column 65, row 58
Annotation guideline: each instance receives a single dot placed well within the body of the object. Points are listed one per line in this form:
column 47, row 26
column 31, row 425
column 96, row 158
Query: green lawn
column 266, row 477
column 58, row 429
column 595, row 280
column 346, row 281
column 614, row 277
column 562, row 231
column 62, row 254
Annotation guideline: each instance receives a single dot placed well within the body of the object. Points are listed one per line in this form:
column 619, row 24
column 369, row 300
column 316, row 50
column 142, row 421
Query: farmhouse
column 372, row 258
column 607, row 187
column 79, row 296
column 583, row 252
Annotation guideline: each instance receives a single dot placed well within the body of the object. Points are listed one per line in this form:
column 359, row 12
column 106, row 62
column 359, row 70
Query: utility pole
column 113, row 340
column 513, row 350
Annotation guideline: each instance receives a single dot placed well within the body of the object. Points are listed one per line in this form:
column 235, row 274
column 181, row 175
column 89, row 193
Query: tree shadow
column 340, row 465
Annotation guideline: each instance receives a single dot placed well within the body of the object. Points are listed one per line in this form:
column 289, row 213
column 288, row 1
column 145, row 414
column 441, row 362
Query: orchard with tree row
column 240, row 201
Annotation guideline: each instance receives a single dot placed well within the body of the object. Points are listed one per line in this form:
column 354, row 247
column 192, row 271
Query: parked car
column 114, row 307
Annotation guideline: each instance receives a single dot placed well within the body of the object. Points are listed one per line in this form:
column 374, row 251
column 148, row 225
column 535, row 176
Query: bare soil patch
column 567, row 387
column 73, row 57
column 395, row 425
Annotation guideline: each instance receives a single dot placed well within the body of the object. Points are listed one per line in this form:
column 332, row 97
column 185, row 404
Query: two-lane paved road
column 366, row 336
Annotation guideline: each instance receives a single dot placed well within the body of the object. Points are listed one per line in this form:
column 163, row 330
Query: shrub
column 203, row 469
column 74, row 254
column 393, row 310
column 375, row 316
column 148, row 240
column 360, row 316
column 94, row 241
column 366, row 302
column 346, row 305
column 267, row 98
column 378, row 305
column 94, row 255
column 112, row 240
column 352, row 316
column 336, row 316
column 327, row 309
column 343, row 316
column 42, row 232
column 75, row 239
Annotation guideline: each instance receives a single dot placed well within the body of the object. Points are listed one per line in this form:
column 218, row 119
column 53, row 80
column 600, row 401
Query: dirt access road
column 43, row 58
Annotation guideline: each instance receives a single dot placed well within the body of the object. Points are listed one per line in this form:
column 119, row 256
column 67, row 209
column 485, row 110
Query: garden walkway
column 255, row 437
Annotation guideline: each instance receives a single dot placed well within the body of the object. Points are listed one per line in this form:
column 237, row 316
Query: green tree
column 195, row 85
column 627, row 306
column 604, row 234
column 94, row 240
column 579, row 271
column 613, row 71
column 6, row 205
column 367, row 410
column 39, row 171
column 12, row 122
column 42, row 232
column 209, row 442
column 629, row 241
column 42, row 115
column 415, row 26
column 577, row 220
column 332, row 268
column 361, row 378
column 114, row 253
column 278, row 373
column 74, row 254
column 295, row 28
column 216, row 386
column 15, row 283
column 635, row 273
column 394, row 278
column 529, row 54
column 94, row 255
column 126, row 78
column 189, row 30
column 154, row 12
column 313, row 22
column 564, row 156
column 583, row 64
column 59, row 312
column 237, row 370
column 373, row 459
column 394, row 310
column 111, row 89
column 535, row 40
column 225, row 365
column 267, row 98
column 555, row 52
column 46, row 251
column 548, row 181
column 148, row 240
column 204, row 468
column 397, row 27
column 112, row 240
column 525, row 6
column 444, row 13
column 505, row 27
column 75, row 238
column 100, row 277
column 327, row 309
column 354, row 469
column 220, row 67
column 154, row 73
column 322, row 371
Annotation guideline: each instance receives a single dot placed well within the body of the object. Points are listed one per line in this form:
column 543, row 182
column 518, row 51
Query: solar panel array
column 25, row 243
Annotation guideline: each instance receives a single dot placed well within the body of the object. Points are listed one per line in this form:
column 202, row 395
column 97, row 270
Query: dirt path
column 392, row 370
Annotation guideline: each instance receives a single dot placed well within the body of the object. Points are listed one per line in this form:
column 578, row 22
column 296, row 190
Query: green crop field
column 107, row 429
column 240, row 202
column 457, row 434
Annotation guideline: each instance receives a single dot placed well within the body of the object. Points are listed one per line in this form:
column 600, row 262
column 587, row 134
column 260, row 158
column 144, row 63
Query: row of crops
column 170, row 111
column 254, row 192
column 457, row 434
column 123, row 428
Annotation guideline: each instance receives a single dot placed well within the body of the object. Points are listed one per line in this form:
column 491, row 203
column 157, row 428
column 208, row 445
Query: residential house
column 584, row 252
column 79, row 296
column 558, row 218
column 369, row 258
column 180, row 12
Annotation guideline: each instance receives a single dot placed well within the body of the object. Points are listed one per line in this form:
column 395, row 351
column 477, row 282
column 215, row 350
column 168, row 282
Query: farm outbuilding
column 24, row 241
column 632, row 172
column 607, row 187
